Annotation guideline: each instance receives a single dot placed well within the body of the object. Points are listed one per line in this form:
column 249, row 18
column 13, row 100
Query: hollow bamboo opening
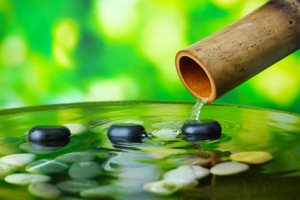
column 220, row 62
column 196, row 77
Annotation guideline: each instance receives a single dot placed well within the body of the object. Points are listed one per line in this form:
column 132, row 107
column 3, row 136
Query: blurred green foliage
column 61, row 51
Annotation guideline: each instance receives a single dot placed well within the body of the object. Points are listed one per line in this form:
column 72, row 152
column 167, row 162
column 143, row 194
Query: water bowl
column 92, row 166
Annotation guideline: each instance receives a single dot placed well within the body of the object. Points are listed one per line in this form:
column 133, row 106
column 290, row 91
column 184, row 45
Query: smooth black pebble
column 201, row 130
column 126, row 132
column 47, row 133
column 48, row 145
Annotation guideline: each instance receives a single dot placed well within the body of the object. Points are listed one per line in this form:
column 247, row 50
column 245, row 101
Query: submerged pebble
column 181, row 178
column 107, row 191
column 252, row 157
column 84, row 170
column 128, row 131
column 229, row 168
column 26, row 179
column 140, row 175
column 5, row 169
column 170, row 185
column 44, row 190
column 76, row 186
column 76, row 129
column 46, row 166
column 196, row 160
column 18, row 160
column 187, row 172
column 201, row 129
column 45, row 133
column 76, row 157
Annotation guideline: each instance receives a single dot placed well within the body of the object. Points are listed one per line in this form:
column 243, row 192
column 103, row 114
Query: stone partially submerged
column 229, row 168
column 181, row 178
column 252, row 157
column 169, row 186
column 187, row 172
column 18, row 160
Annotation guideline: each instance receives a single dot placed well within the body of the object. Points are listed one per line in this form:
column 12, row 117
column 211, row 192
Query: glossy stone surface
column 84, row 170
column 106, row 191
column 44, row 133
column 5, row 169
column 44, row 190
column 26, row 179
column 229, row 168
column 201, row 129
column 76, row 186
column 169, row 186
column 18, row 160
column 126, row 132
column 252, row 157
column 76, row 157
column 46, row 166
column 187, row 172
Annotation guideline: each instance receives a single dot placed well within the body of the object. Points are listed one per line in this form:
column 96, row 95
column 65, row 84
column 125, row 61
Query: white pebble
column 26, row 179
column 141, row 175
column 44, row 190
column 76, row 129
column 187, row 172
column 5, row 169
column 169, row 186
column 229, row 168
column 18, row 160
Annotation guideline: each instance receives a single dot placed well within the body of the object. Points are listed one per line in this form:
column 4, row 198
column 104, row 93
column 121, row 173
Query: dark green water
column 244, row 129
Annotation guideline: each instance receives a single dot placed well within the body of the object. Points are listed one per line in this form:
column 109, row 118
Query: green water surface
column 244, row 129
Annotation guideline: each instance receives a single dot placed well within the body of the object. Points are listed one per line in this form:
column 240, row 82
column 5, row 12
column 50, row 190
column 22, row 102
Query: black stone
column 47, row 133
column 123, row 139
column 126, row 132
column 201, row 130
column 201, row 137
column 48, row 145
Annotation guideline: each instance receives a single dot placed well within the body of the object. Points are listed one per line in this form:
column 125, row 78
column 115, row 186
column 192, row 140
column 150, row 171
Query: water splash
column 196, row 110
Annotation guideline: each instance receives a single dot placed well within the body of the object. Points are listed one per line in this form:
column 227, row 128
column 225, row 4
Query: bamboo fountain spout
column 222, row 61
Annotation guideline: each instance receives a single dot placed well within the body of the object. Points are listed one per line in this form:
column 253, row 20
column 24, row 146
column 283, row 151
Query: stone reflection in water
column 48, row 146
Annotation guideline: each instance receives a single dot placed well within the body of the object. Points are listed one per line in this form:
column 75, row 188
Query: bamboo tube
column 220, row 62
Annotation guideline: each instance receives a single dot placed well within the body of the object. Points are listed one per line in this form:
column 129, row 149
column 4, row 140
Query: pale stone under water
column 84, row 170
column 76, row 186
column 26, row 179
column 76, row 157
column 229, row 168
column 170, row 185
column 5, row 169
column 187, row 172
column 106, row 191
column 18, row 160
column 46, row 166
column 44, row 190
column 252, row 157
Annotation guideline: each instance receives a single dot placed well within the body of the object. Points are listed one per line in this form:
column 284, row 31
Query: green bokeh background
column 62, row 51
